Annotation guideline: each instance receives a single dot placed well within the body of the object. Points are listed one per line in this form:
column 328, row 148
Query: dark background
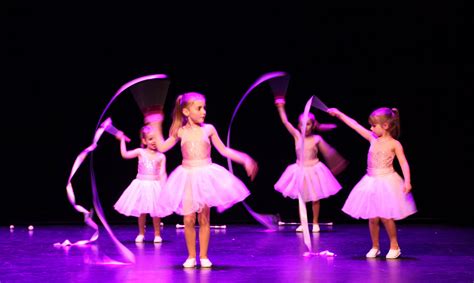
column 65, row 61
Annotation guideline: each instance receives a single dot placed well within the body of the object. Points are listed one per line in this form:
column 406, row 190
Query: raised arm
column 404, row 165
column 367, row 134
column 127, row 154
column 244, row 159
column 123, row 146
column 162, row 144
column 280, row 104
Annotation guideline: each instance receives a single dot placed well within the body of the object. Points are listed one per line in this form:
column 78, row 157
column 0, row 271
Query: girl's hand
column 251, row 167
column 407, row 188
column 333, row 112
column 121, row 136
column 279, row 102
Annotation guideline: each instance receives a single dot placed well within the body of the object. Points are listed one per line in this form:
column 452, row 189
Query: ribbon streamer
column 100, row 128
column 269, row 221
column 97, row 205
column 106, row 126
column 317, row 103
column 71, row 196
column 301, row 203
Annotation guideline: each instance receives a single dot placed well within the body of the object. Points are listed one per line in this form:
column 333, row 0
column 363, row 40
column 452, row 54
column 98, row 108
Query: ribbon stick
column 109, row 128
column 281, row 223
column 269, row 221
column 180, row 226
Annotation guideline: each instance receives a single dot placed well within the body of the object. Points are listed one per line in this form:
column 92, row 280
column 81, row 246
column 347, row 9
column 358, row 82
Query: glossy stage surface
column 240, row 253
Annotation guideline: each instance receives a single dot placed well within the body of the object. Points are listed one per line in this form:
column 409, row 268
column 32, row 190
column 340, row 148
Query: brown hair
column 312, row 118
column 183, row 101
column 389, row 116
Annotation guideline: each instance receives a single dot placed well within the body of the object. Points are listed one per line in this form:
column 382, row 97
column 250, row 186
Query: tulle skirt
column 142, row 196
column 318, row 182
column 380, row 196
column 191, row 188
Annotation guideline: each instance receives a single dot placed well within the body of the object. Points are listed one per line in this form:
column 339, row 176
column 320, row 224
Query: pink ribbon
column 301, row 203
column 100, row 128
column 70, row 192
column 269, row 221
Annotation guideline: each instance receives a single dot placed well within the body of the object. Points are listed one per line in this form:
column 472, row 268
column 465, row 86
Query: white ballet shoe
column 189, row 263
column 157, row 239
column 205, row 262
column 299, row 229
column 392, row 254
column 316, row 228
column 373, row 253
column 140, row 238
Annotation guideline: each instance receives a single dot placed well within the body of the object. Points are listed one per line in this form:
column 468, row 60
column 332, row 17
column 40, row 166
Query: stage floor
column 240, row 253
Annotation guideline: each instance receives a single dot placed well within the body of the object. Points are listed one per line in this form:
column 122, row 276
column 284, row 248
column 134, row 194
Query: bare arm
column 367, row 134
column 404, row 165
column 244, row 159
column 162, row 144
column 334, row 160
column 123, row 147
column 284, row 119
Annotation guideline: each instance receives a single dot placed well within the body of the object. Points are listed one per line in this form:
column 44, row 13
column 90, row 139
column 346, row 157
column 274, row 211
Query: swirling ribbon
column 269, row 221
column 301, row 203
column 100, row 128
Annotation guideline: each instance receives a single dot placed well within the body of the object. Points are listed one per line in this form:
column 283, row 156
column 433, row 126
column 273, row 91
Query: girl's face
column 150, row 141
column 309, row 126
column 378, row 129
column 196, row 112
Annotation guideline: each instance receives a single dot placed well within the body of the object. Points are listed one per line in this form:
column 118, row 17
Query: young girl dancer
column 318, row 182
column 142, row 196
column 198, row 184
column 381, row 195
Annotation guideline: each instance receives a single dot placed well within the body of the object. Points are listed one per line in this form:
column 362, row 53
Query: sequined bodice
column 195, row 144
column 379, row 161
column 310, row 149
column 148, row 165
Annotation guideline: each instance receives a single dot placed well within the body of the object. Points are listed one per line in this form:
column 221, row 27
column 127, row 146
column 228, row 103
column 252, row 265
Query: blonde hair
column 183, row 101
column 389, row 116
column 144, row 131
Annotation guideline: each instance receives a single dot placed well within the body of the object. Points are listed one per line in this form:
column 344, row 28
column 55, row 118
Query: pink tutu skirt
column 142, row 196
column 318, row 182
column 380, row 196
column 201, row 183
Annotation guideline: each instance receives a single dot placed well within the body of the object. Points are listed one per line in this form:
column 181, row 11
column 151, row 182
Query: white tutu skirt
column 380, row 196
column 142, row 196
column 318, row 182
column 190, row 189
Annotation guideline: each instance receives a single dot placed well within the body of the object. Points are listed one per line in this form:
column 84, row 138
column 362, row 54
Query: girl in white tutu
column 318, row 180
column 143, row 195
column 198, row 184
column 381, row 195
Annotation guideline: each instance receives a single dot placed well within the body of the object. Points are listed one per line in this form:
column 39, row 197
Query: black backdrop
column 65, row 61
